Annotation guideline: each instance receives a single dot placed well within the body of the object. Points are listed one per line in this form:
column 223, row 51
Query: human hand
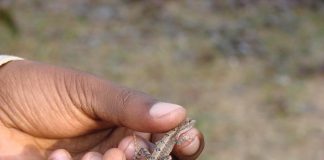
column 56, row 113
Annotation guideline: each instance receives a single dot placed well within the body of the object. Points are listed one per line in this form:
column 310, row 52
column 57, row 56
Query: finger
column 192, row 148
column 60, row 154
column 130, row 145
column 92, row 156
column 125, row 107
column 114, row 154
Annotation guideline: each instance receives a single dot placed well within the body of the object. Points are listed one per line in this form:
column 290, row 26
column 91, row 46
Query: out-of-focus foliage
column 6, row 17
column 250, row 71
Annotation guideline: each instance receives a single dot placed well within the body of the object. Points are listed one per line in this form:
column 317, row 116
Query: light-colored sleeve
column 7, row 58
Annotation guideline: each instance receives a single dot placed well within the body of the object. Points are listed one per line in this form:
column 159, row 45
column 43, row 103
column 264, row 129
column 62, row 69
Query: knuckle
column 125, row 96
column 136, row 98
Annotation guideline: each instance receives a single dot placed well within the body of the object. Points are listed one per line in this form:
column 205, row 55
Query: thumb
column 122, row 106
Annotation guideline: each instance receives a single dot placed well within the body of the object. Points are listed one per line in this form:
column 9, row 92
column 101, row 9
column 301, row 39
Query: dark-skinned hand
column 48, row 112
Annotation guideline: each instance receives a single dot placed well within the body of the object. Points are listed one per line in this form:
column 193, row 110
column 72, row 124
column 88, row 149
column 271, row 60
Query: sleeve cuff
column 6, row 58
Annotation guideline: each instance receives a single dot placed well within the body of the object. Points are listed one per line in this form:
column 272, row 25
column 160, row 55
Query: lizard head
column 186, row 125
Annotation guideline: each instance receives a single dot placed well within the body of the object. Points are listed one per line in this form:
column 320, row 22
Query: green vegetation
column 7, row 20
column 251, row 73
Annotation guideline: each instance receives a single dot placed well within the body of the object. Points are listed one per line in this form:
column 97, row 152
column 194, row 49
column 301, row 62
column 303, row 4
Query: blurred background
column 249, row 71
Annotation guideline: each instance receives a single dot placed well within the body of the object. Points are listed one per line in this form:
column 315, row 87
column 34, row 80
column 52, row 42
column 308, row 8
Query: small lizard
column 165, row 145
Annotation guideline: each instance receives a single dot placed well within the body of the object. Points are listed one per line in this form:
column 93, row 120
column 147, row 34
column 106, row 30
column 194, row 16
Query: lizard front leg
column 143, row 153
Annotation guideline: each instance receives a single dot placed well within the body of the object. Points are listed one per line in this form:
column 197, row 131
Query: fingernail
column 130, row 149
column 161, row 109
column 192, row 148
column 61, row 156
column 95, row 157
column 92, row 156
